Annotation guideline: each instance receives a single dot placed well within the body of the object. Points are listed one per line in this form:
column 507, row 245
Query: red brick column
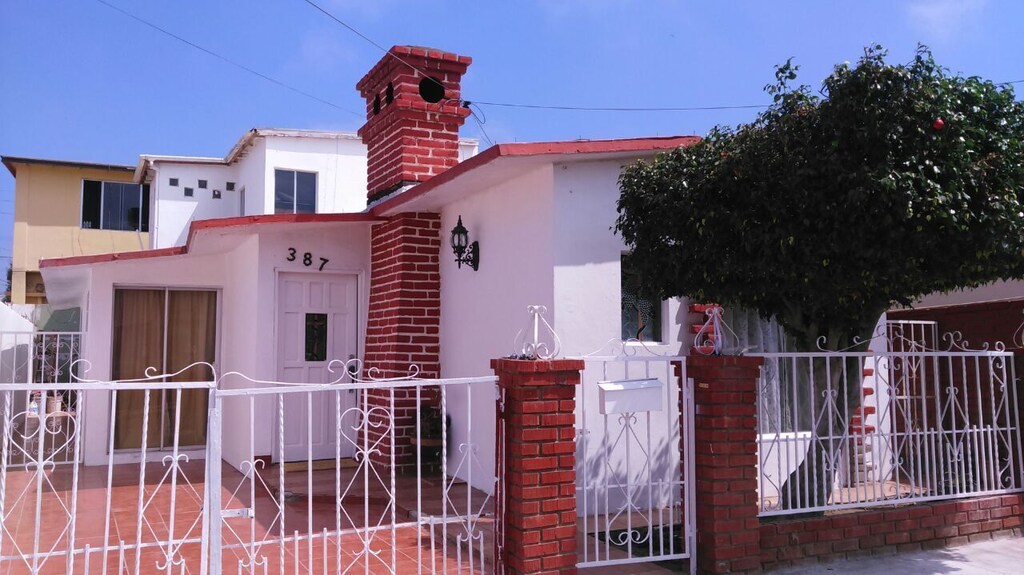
column 403, row 323
column 536, row 464
column 725, row 396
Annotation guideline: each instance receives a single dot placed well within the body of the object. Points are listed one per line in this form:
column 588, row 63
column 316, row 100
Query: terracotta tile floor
column 316, row 537
column 308, row 510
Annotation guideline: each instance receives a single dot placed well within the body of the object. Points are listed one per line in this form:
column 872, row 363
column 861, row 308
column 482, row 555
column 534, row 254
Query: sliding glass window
column 166, row 330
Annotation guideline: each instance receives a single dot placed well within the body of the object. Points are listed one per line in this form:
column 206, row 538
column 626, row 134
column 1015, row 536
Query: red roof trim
column 220, row 223
column 242, row 221
column 101, row 258
column 536, row 149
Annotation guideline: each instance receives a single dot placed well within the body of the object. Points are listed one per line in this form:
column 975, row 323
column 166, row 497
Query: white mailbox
column 630, row 395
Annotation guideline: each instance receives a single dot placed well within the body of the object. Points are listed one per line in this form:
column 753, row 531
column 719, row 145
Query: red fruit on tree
column 938, row 124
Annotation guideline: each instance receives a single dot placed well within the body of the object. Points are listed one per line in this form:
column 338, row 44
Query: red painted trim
column 526, row 149
column 101, row 258
column 219, row 223
column 243, row 221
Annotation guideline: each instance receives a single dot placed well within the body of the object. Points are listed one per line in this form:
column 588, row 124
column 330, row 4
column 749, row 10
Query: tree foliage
column 894, row 182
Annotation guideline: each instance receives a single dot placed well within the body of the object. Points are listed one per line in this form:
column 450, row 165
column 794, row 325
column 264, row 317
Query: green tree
column 894, row 182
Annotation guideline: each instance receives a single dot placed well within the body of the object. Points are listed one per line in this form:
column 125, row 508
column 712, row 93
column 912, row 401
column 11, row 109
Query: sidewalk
column 999, row 557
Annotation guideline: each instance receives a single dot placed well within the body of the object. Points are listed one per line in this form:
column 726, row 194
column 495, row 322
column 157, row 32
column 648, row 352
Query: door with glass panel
column 317, row 322
column 165, row 331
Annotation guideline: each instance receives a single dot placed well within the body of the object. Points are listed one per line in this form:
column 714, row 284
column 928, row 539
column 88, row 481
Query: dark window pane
column 202, row 184
column 305, row 201
column 641, row 318
column 92, row 193
column 113, row 206
column 316, row 337
column 144, row 224
column 122, row 206
column 284, row 192
column 174, row 181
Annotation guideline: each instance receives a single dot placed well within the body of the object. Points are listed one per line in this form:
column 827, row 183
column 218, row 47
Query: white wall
column 179, row 271
column 241, row 337
column 482, row 310
column 174, row 211
column 252, row 179
column 587, row 255
column 340, row 165
column 246, row 277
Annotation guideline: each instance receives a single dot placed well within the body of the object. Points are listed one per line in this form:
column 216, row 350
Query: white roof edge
column 298, row 133
column 189, row 159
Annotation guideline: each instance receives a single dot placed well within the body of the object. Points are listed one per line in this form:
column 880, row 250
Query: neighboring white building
column 268, row 171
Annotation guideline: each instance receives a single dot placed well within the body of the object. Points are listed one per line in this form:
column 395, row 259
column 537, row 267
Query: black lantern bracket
column 465, row 252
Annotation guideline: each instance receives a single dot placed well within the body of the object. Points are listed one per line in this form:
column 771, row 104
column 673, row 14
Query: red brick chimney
column 413, row 114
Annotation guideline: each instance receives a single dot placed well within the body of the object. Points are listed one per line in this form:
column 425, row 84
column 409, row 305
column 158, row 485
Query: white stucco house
column 236, row 284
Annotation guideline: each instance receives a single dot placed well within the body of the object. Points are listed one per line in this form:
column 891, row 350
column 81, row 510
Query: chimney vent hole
column 431, row 90
column 389, row 94
column 376, row 104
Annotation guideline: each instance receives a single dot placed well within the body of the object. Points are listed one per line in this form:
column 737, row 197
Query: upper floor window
column 115, row 206
column 294, row 192
column 641, row 317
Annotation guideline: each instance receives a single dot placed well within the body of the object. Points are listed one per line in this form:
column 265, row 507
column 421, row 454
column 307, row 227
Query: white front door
column 317, row 322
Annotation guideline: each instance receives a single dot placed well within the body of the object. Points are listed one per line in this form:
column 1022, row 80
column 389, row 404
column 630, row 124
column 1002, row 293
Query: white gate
column 416, row 498
column 635, row 465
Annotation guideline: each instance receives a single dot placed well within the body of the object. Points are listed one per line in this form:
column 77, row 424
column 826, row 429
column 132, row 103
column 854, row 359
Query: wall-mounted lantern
column 465, row 252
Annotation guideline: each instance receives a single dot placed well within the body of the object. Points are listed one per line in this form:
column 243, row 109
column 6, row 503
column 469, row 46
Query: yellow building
column 66, row 209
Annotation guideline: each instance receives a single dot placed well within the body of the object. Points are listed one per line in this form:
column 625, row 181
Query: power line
column 508, row 104
column 387, row 52
column 615, row 109
column 226, row 59
column 323, row 11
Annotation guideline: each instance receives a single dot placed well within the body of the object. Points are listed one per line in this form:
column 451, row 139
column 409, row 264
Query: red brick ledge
column 509, row 365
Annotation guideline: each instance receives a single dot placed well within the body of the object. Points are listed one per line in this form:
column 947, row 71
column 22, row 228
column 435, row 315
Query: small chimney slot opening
column 431, row 90
column 389, row 93
column 376, row 104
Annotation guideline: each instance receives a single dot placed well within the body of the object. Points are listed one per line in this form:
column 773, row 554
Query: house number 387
column 307, row 259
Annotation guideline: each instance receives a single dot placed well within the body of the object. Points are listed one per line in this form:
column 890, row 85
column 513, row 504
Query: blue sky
column 81, row 81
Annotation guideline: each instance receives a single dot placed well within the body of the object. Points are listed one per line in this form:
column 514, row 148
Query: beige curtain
column 139, row 328
column 138, row 344
column 191, row 337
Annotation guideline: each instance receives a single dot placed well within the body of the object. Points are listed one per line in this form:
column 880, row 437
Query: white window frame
column 295, row 188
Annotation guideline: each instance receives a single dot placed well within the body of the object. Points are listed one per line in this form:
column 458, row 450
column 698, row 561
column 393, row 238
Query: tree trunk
column 836, row 396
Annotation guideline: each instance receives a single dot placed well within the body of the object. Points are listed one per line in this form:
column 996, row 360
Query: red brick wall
column 979, row 323
column 403, row 320
column 886, row 530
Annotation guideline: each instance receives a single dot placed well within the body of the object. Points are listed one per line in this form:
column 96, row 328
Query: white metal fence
column 634, row 457
column 855, row 429
column 387, row 490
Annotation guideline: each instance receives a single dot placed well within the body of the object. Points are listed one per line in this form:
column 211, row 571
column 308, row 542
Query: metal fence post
column 211, row 544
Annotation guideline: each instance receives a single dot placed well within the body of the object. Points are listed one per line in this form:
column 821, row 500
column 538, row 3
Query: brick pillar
column 403, row 322
column 725, row 396
column 536, row 464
